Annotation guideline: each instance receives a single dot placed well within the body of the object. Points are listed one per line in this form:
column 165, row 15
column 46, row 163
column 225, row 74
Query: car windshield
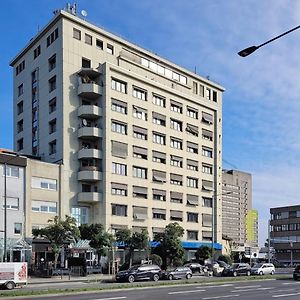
column 234, row 266
column 133, row 268
column 257, row 266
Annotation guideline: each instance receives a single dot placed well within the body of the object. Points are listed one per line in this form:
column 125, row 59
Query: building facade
column 139, row 137
column 239, row 221
column 285, row 233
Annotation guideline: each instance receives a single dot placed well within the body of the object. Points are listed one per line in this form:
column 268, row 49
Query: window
column 195, row 87
column 159, row 157
column 192, row 164
column 192, row 147
column 12, row 203
column 215, row 96
column 176, row 215
column 52, row 147
column 159, row 100
column 20, row 126
column 20, row 145
column 119, row 169
column 119, row 127
column 36, row 52
column 52, row 84
column 52, row 105
column 201, row 90
column 52, row 126
column 99, row 44
column 176, row 197
column 175, row 106
column 159, row 195
column 85, row 63
column 11, row 171
column 159, row 213
column 52, row 62
column 192, row 130
column 206, row 220
column 159, row 176
column 192, row 217
column 192, row 235
column 139, row 113
column 207, row 185
column 52, row 37
column 176, row 143
column 158, row 138
column 20, row 107
column 20, row 67
column 44, row 183
column 207, row 135
column 81, row 215
column 140, row 152
column 140, row 192
column 139, row 172
column 119, row 149
column 20, row 90
column 119, row 106
column 192, row 182
column 88, row 39
column 118, row 189
column 76, row 34
column 158, row 119
column 110, row 49
column 206, row 202
column 192, row 200
column 192, row 112
column 207, row 169
column 44, row 206
column 140, row 133
column 207, row 118
column 139, row 93
column 18, row 228
column 175, row 179
column 119, row 86
column 208, row 94
column 176, row 161
column 175, row 124
column 208, row 152
column 119, row 210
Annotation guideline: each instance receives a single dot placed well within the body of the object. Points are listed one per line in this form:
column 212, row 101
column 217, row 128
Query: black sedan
column 178, row 273
column 238, row 269
column 296, row 273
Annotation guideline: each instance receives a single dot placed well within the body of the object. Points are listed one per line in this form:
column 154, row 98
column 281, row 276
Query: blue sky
column 261, row 105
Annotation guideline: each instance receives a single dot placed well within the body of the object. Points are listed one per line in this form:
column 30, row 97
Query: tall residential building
column 139, row 137
column 239, row 221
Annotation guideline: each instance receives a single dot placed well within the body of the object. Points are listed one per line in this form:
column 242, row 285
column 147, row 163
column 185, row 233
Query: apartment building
column 239, row 221
column 140, row 138
column 285, row 233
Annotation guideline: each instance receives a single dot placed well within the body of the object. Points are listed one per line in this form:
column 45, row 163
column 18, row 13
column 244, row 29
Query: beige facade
column 236, row 206
column 139, row 137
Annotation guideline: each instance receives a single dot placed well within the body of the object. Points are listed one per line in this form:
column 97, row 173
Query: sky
column 261, row 104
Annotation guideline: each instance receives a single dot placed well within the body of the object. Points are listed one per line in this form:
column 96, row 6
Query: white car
column 263, row 269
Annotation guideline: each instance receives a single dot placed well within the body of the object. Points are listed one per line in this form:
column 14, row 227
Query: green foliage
column 58, row 232
column 156, row 259
column 203, row 253
column 169, row 247
column 227, row 259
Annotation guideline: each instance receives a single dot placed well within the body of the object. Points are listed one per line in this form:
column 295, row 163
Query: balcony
column 89, row 197
column 89, row 153
column 89, row 90
column 89, row 132
column 89, row 174
column 90, row 72
column 89, row 111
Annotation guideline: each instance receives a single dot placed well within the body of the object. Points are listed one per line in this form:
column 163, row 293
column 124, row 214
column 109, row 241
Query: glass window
column 119, row 86
column 140, row 172
column 175, row 124
column 110, row 49
column 52, row 84
column 139, row 93
column 52, row 62
column 20, row 89
column 192, row 182
column 176, row 143
column 119, row 210
column 11, row 171
column 119, row 127
column 81, row 215
column 76, row 34
column 99, row 44
column 159, row 138
column 52, row 147
column 18, row 228
column 119, row 106
column 119, row 169
column 159, row 101
column 88, row 39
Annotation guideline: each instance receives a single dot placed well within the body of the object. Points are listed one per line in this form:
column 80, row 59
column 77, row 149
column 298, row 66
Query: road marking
column 285, row 290
column 291, row 283
column 185, row 292
column 247, row 286
column 219, row 297
column 215, row 286
column 285, row 295
column 250, row 290
column 113, row 298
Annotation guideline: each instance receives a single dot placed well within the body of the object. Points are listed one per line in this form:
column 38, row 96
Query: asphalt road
column 247, row 290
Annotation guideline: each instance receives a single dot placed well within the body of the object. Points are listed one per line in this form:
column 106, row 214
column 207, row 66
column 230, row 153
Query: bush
column 225, row 258
column 156, row 259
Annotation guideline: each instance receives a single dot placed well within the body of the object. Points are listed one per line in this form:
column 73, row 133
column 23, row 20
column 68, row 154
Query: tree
column 203, row 253
column 58, row 232
column 169, row 247
column 132, row 240
column 100, row 240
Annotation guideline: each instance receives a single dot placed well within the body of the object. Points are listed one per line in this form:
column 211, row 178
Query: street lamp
column 247, row 51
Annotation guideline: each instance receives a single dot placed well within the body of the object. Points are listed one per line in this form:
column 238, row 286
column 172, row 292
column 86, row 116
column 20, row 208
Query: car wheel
column 261, row 273
column 131, row 278
column 170, row 277
column 272, row 272
column 155, row 277
column 188, row 276
column 248, row 273
column 10, row 285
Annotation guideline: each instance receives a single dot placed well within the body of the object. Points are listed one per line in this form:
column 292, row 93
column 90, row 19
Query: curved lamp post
column 247, row 51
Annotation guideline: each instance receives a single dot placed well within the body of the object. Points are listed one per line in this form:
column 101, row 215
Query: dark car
column 178, row 273
column 140, row 272
column 195, row 267
column 296, row 273
column 238, row 269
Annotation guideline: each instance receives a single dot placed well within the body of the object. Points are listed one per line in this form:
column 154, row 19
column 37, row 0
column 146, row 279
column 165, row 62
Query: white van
column 13, row 274
column 263, row 269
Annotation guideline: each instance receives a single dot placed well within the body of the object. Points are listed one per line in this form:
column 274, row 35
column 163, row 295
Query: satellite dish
column 84, row 122
column 84, row 13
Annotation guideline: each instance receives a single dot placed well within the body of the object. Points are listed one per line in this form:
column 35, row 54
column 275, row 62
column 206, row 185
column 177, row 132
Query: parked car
column 140, row 272
column 178, row 273
column 263, row 269
column 296, row 273
column 223, row 267
column 238, row 269
column 195, row 267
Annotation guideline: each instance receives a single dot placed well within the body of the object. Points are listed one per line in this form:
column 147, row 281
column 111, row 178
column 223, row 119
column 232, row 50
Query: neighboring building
column 285, row 233
column 239, row 221
column 139, row 137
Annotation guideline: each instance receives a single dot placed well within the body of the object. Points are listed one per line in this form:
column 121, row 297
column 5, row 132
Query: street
column 260, row 289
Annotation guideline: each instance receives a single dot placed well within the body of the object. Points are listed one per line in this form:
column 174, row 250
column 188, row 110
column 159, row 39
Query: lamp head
column 247, row 51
